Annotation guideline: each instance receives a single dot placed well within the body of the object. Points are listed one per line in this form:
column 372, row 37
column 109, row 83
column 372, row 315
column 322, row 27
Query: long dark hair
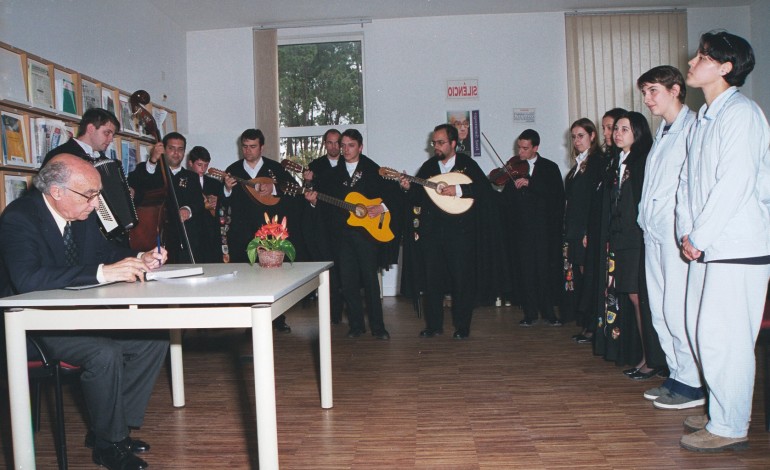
column 642, row 134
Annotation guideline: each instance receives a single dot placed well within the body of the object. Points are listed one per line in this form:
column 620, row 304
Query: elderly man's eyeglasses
column 88, row 198
column 436, row 143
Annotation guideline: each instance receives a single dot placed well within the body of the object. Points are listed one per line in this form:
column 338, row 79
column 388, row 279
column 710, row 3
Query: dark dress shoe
column 631, row 371
column 461, row 333
column 585, row 339
column 136, row 446
column 355, row 332
column 115, row 457
column 429, row 333
column 639, row 375
column 381, row 334
column 282, row 327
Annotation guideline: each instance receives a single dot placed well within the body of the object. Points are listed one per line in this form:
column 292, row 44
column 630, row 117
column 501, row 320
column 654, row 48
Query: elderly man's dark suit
column 118, row 373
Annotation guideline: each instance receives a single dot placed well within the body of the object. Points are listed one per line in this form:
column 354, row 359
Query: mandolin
column 251, row 186
column 355, row 203
column 448, row 204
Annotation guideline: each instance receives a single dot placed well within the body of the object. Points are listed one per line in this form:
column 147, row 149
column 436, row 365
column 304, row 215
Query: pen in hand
column 158, row 241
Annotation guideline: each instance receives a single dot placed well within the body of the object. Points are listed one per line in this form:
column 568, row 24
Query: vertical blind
column 606, row 53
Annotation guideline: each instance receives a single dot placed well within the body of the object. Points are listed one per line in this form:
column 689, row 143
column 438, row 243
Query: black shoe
column 554, row 322
column 355, row 332
column 639, row 375
column 585, row 339
column 428, row 333
column 381, row 334
column 282, row 327
column 136, row 446
column 525, row 323
column 631, row 371
column 115, row 457
column 461, row 333
column 664, row 372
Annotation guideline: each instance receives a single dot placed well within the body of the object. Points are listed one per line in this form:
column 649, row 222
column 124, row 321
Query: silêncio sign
column 462, row 89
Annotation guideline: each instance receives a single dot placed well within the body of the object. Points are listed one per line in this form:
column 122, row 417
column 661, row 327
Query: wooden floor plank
column 508, row 397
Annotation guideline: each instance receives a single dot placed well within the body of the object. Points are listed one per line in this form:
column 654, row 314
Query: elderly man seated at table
column 50, row 239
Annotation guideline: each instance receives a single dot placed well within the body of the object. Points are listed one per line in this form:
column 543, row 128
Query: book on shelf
column 12, row 85
column 45, row 135
column 65, row 94
column 111, row 151
column 126, row 116
column 40, row 93
column 128, row 155
column 108, row 100
column 14, row 140
column 15, row 187
column 91, row 97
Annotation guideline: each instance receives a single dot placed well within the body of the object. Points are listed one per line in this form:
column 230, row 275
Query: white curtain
column 266, row 89
column 606, row 53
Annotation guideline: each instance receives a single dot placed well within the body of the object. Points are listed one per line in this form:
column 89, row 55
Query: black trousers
column 357, row 257
column 535, row 275
column 449, row 267
column 119, row 373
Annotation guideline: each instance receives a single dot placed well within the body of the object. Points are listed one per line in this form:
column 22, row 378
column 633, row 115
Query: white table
column 250, row 299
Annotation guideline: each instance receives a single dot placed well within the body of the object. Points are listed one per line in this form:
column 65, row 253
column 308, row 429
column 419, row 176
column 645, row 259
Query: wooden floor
column 508, row 397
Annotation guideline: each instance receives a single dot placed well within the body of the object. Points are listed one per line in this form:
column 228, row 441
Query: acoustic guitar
column 355, row 203
column 448, row 204
column 251, row 186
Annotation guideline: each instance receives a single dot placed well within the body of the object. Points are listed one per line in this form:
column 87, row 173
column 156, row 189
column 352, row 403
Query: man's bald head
column 61, row 169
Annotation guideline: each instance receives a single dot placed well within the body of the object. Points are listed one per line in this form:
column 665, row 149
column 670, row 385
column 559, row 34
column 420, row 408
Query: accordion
column 116, row 211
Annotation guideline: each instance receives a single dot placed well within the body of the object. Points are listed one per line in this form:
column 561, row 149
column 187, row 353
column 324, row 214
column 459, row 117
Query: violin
column 513, row 169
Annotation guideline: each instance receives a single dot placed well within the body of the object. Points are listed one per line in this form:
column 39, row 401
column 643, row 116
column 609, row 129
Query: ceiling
column 197, row 15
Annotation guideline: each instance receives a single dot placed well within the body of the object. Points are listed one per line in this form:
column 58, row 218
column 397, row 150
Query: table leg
column 18, row 391
column 264, row 386
column 177, row 368
column 325, row 340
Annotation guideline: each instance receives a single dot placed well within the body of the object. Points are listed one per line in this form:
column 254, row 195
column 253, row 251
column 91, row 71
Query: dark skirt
column 627, row 267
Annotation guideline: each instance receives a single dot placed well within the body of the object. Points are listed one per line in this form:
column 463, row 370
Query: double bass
column 151, row 212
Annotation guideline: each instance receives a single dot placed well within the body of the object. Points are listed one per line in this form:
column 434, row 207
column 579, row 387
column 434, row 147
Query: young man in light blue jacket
column 723, row 223
column 664, row 92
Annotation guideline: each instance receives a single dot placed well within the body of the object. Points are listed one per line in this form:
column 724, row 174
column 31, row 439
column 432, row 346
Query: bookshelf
column 40, row 107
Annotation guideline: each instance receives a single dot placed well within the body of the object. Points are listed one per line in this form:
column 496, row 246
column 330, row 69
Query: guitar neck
column 337, row 202
column 420, row 181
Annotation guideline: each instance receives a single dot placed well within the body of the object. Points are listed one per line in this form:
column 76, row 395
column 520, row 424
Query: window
column 320, row 87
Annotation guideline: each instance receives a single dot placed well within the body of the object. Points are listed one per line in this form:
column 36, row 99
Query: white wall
column 760, row 41
column 129, row 45
column 220, row 70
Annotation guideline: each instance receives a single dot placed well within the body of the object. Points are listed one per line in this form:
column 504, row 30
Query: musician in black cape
column 189, row 195
column 360, row 255
column 448, row 242
column 247, row 214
